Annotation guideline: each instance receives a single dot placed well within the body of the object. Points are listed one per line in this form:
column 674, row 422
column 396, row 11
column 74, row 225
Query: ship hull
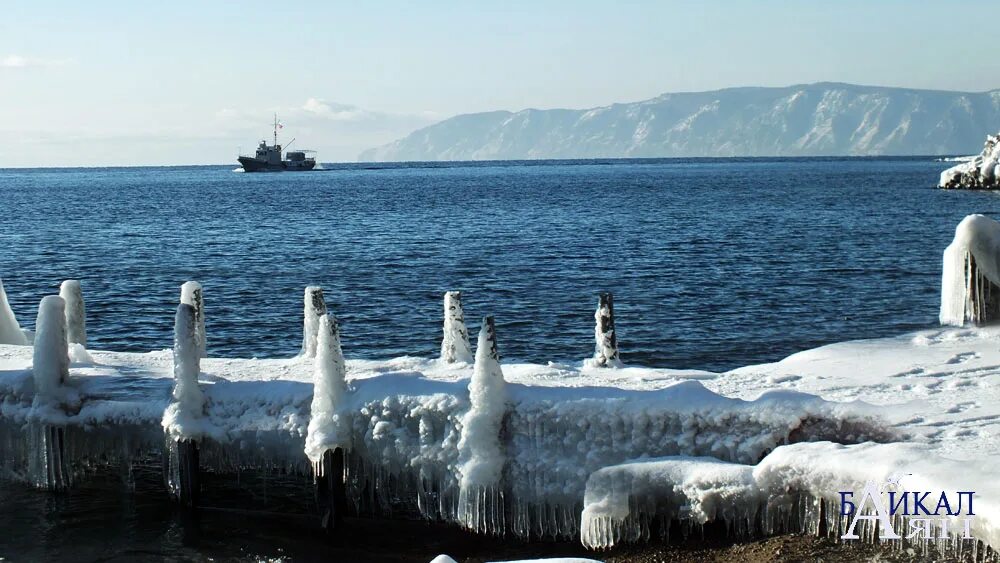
column 255, row 165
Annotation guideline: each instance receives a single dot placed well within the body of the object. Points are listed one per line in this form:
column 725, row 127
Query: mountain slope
column 814, row 119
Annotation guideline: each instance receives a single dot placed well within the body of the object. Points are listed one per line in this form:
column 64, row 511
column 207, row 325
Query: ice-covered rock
column 605, row 340
column 182, row 420
column 76, row 316
column 329, row 423
column 50, row 362
column 970, row 277
column 10, row 331
column 193, row 295
column 480, row 451
column 982, row 172
column 455, row 346
column 314, row 308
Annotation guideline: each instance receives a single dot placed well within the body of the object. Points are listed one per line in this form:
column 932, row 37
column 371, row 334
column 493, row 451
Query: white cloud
column 18, row 62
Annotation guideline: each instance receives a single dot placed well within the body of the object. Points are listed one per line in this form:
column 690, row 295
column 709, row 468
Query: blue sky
column 186, row 82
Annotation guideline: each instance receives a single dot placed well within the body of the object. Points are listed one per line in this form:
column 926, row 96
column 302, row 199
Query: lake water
column 714, row 263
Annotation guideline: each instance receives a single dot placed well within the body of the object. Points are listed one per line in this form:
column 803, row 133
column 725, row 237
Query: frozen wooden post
column 314, row 308
column 455, row 345
column 606, row 343
column 50, row 361
column 481, row 454
column 329, row 433
column 50, row 370
column 192, row 294
column 76, row 315
column 188, row 406
column 10, row 331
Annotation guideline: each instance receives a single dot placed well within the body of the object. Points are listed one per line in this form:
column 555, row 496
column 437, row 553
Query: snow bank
column 10, row 331
column 50, row 362
column 76, row 316
column 795, row 488
column 455, row 345
column 183, row 419
column 970, row 278
column 329, row 423
column 314, row 308
column 480, row 451
column 980, row 172
column 192, row 294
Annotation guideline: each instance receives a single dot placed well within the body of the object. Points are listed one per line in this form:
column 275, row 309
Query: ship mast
column 276, row 130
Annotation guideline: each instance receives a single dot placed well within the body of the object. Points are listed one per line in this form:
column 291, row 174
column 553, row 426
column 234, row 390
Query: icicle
column 191, row 294
column 970, row 270
column 76, row 317
column 314, row 309
column 481, row 454
column 605, row 341
column 50, row 365
column 455, row 345
column 329, row 428
column 10, row 331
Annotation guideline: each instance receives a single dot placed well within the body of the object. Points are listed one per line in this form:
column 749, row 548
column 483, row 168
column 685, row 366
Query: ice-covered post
column 182, row 419
column 329, row 432
column 455, row 345
column 970, row 279
column 314, row 309
column 10, row 331
column 605, row 341
column 192, row 294
column 76, row 316
column 50, row 363
column 480, row 450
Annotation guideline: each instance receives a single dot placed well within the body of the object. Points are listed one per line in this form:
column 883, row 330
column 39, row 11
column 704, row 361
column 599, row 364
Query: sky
column 184, row 82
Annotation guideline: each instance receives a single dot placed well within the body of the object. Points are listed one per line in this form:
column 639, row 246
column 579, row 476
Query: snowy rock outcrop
column 50, row 362
column 480, row 451
column 981, row 172
column 314, row 308
column 193, row 295
column 10, row 331
column 455, row 346
column 329, row 424
column 970, row 277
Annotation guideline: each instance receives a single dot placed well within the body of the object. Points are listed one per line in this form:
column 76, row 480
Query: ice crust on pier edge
column 970, row 278
column 329, row 423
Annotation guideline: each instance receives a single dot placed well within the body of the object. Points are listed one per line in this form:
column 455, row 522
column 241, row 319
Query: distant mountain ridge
column 822, row 119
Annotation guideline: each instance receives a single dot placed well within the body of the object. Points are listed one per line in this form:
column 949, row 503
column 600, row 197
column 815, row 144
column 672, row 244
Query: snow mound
column 795, row 488
column 981, row 172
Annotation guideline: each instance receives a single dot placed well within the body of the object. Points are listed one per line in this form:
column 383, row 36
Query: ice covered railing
column 970, row 278
column 487, row 454
column 979, row 173
column 798, row 488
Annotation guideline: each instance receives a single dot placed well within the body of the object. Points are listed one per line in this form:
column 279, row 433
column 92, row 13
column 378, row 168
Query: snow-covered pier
column 594, row 449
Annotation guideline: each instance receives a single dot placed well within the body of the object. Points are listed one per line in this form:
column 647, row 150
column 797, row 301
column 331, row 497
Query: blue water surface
column 714, row 263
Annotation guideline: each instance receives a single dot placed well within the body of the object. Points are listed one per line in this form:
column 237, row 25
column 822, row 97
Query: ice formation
column 329, row 422
column 606, row 342
column 480, row 451
column 455, row 346
column 50, row 362
column 314, row 309
column 970, row 278
column 796, row 488
column 76, row 316
column 183, row 419
column 192, row 294
column 980, row 172
column 10, row 331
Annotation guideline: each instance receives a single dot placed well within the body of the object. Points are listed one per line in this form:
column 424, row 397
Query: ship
column 268, row 157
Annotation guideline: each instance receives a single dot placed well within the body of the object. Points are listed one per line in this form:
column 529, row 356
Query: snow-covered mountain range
column 803, row 120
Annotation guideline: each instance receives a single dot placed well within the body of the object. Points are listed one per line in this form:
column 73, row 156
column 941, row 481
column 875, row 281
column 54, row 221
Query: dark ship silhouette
column 268, row 157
